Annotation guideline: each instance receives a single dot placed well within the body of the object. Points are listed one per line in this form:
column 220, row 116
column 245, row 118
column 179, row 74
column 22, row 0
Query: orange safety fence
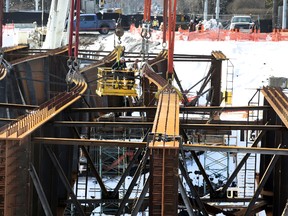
column 9, row 26
column 219, row 35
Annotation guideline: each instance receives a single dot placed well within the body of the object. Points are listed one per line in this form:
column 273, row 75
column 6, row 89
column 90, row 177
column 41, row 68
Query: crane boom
column 56, row 24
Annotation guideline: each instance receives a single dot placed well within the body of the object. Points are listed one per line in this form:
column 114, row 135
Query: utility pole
column 217, row 9
column 284, row 14
column 7, row 6
column 275, row 14
column 36, row 5
column 205, row 9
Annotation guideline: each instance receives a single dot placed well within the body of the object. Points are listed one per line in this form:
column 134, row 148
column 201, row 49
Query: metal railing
column 26, row 124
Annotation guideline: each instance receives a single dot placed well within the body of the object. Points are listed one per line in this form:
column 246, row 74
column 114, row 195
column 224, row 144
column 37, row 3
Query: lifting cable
column 146, row 31
column 119, row 31
column 72, row 62
column 146, row 35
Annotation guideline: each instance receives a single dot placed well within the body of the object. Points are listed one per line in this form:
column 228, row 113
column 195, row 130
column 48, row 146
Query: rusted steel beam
column 195, row 147
column 278, row 101
column 39, row 55
column 232, row 127
column 103, row 124
column 17, row 106
column 7, row 119
column 141, row 198
column 158, row 80
column 182, row 109
column 225, row 200
column 164, row 181
column 193, row 191
column 252, row 150
column 26, row 124
column 216, row 77
column 185, row 126
column 126, row 172
column 218, row 55
column 40, row 191
column 256, row 208
column 264, row 179
column 87, row 142
column 223, row 109
column 64, row 180
column 113, row 109
column 242, row 162
column 132, row 184
column 179, row 57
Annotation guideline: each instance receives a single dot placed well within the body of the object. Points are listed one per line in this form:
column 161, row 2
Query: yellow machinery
column 116, row 82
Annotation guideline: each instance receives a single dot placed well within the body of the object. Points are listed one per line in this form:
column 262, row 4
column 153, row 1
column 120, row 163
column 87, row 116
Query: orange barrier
column 220, row 35
column 9, row 26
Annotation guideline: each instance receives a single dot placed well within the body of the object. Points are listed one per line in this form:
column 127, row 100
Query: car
column 82, row 164
column 242, row 23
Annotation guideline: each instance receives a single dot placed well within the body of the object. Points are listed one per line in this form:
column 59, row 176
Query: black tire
column 104, row 30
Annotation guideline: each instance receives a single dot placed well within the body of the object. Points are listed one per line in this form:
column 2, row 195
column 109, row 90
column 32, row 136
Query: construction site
column 81, row 135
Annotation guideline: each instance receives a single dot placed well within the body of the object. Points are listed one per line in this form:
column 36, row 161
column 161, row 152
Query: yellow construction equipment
column 116, row 82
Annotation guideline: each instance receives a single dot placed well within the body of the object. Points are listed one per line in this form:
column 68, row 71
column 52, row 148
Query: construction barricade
column 219, row 35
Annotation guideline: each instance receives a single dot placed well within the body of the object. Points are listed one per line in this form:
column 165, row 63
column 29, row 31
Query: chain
column 146, row 30
column 1, row 56
column 3, row 62
column 146, row 35
column 5, row 66
column 119, row 31
column 70, row 71
column 73, row 73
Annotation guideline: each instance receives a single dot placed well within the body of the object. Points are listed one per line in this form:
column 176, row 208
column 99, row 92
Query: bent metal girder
column 19, row 130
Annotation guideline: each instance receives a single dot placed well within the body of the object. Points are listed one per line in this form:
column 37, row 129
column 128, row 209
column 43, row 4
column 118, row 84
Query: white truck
column 242, row 23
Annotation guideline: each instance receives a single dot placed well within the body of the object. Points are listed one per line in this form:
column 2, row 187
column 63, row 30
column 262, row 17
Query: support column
column 164, row 182
column 216, row 83
column 1, row 22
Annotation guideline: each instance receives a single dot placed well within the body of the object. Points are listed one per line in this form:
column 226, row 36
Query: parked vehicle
column 91, row 22
column 242, row 23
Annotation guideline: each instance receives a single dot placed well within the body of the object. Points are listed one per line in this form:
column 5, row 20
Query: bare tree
column 188, row 6
column 246, row 6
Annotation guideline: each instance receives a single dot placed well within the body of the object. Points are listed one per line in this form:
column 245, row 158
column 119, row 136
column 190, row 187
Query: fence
column 220, row 35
